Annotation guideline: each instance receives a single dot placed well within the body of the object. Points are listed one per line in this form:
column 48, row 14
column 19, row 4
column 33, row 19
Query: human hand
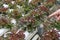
column 56, row 14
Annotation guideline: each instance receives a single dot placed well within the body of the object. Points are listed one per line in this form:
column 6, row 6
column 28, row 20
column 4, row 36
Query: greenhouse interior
column 29, row 19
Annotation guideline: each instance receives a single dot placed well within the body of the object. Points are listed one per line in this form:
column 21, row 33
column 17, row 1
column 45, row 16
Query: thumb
column 58, row 19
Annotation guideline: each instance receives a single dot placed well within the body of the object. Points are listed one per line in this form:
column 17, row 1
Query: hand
column 56, row 14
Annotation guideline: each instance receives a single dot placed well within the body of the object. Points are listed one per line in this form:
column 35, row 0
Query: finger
column 54, row 14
